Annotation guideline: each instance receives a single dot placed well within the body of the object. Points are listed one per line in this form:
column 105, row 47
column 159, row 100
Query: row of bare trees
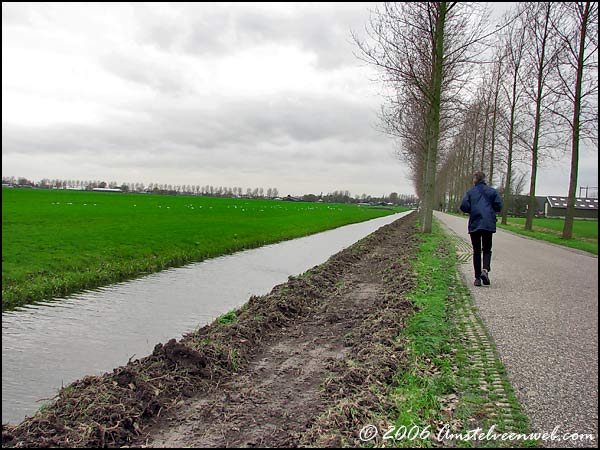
column 464, row 94
column 157, row 188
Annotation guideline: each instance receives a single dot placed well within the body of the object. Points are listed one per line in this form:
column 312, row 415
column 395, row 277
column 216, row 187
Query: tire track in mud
column 274, row 400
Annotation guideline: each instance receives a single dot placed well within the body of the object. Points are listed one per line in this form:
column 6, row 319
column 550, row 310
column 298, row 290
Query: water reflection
column 50, row 345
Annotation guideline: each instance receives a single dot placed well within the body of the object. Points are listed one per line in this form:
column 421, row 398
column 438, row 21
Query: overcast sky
column 249, row 95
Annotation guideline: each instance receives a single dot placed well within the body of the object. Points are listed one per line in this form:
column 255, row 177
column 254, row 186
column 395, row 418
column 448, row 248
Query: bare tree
column 497, row 78
column 541, row 55
column 423, row 50
column 515, row 42
column 577, row 104
column 464, row 154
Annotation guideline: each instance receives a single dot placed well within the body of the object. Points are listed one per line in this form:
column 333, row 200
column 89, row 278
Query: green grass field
column 585, row 232
column 58, row 242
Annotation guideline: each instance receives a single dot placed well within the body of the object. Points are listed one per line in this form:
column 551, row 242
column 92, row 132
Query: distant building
column 107, row 190
column 519, row 205
column 585, row 208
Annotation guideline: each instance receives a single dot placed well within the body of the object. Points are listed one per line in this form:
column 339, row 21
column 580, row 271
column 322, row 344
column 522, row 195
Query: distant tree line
column 209, row 191
column 394, row 198
column 152, row 188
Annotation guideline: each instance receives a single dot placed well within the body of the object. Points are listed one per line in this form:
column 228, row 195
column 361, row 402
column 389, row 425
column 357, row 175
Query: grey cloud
column 301, row 126
column 316, row 158
column 308, row 119
column 553, row 179
column 161, row 34
column 326, row 34
column 275, row 121
column 588, row 169
column 192, row 27
column 290, row 135
column 212, row 30
column 158, row 77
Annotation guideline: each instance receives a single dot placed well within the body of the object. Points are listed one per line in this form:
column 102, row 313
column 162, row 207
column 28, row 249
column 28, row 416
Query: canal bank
column 47, row 346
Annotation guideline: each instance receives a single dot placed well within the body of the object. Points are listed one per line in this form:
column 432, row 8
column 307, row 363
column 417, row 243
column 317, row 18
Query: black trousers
column 482, row 241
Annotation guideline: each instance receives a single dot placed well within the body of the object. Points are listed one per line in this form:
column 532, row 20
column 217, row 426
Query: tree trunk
column 511, row 138
column 485, row 127
column 494, row 121
column 568, row 228
column 538, row 122
column 474, row 148
column 432, row 144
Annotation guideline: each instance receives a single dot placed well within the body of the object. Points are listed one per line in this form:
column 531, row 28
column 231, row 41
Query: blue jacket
column 482, row 203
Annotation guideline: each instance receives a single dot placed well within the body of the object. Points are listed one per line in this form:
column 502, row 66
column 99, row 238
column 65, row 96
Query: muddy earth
column 309, row 364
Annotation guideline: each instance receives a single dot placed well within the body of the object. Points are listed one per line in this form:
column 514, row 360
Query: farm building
column 519, row 205
column 106, row 190
column 585, row 208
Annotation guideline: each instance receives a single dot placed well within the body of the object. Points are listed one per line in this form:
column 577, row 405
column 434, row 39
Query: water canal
column 50, row 345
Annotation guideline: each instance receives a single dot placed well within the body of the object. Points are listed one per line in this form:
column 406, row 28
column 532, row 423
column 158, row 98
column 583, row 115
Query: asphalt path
column 542, row 312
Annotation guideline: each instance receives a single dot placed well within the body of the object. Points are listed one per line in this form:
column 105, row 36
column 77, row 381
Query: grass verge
column 549, row 235
column 455, row 381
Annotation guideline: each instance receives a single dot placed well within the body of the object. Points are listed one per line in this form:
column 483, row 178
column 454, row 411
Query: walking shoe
column 477, row 282
column 485, row 277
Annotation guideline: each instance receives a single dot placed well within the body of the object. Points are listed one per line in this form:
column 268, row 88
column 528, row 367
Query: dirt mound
column 117, row 408
column 357, row 391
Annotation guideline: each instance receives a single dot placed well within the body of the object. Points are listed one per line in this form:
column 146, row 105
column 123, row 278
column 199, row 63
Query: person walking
column 481, row 202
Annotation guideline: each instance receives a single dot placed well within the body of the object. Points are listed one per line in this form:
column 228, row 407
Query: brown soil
column 307, row 365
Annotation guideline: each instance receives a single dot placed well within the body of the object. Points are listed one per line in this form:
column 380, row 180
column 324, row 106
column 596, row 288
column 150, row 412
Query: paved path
column 542, row 312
